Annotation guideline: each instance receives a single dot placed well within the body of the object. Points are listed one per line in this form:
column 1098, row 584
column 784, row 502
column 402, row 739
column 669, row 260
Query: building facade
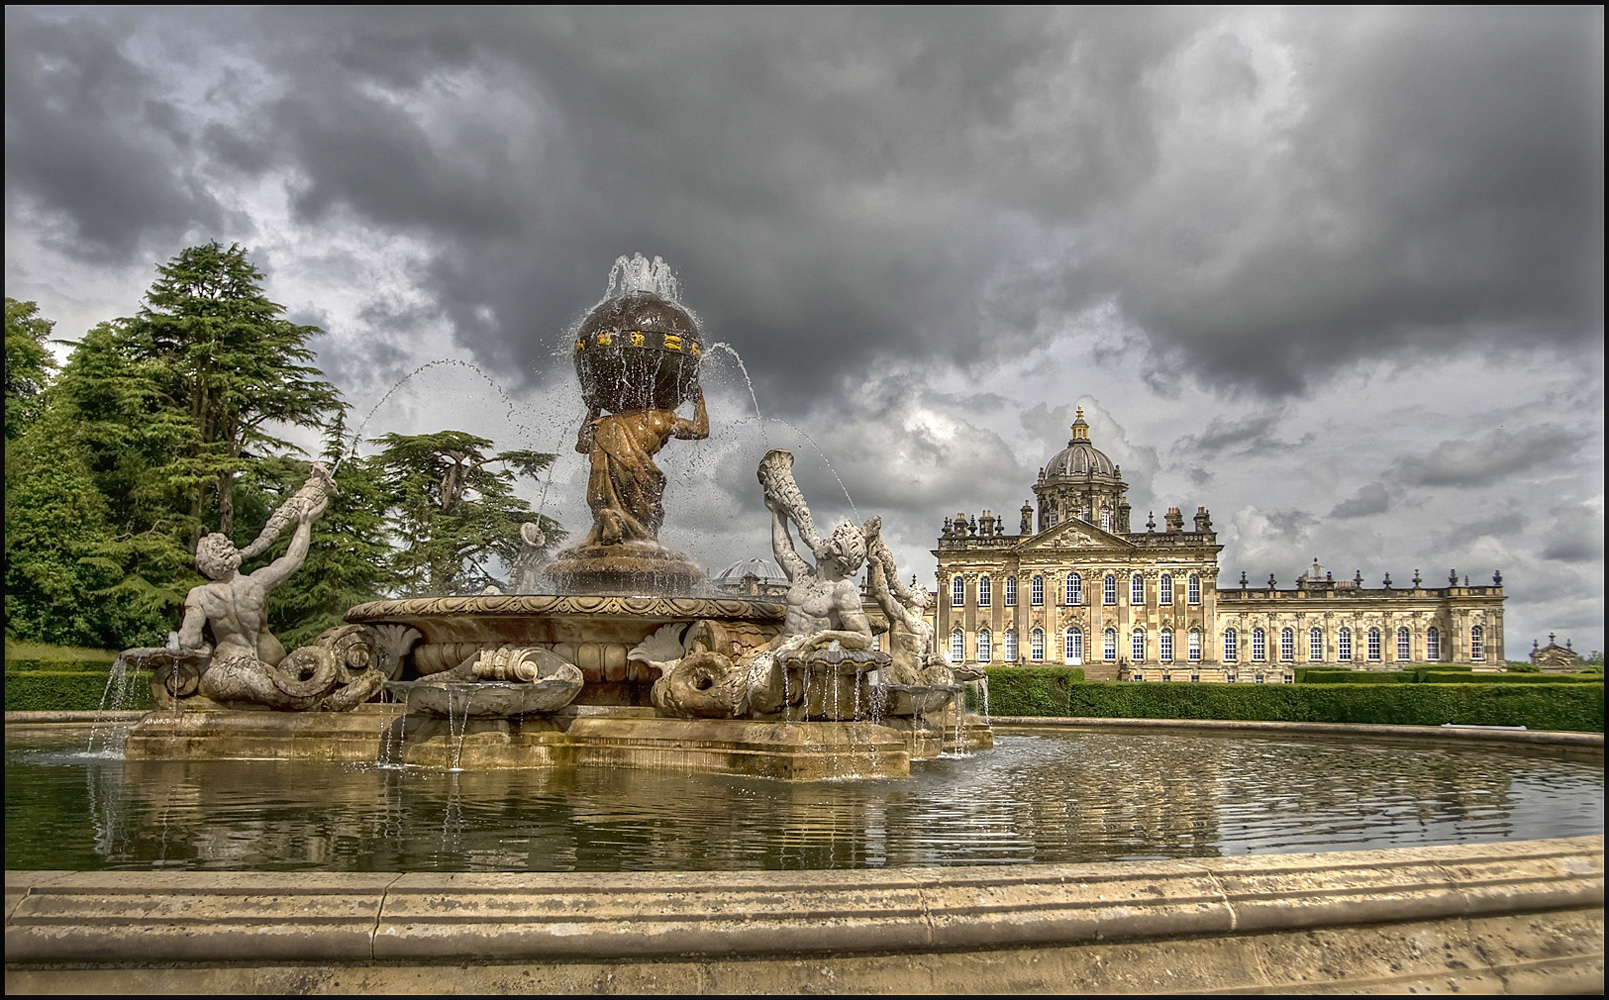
column 1075, row 585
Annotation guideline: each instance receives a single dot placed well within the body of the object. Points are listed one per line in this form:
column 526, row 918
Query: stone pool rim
column 1522, row 916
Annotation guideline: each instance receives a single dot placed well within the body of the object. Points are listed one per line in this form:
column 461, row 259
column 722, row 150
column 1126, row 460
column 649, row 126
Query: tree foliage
column 28, row 364
column 455, row 510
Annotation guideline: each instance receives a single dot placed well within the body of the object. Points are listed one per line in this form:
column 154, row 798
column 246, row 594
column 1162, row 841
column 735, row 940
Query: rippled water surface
column 1066, row 795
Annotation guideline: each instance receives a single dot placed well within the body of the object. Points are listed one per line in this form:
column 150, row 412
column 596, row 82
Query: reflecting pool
column 1052, row 796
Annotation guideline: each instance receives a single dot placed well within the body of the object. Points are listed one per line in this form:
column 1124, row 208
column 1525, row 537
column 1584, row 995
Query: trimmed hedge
column 1306, row 676
column 1576, row 707
column 69, row 686
column 1435, row 677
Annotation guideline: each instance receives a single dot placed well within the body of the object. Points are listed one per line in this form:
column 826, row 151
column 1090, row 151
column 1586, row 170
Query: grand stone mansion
column 1076, row 585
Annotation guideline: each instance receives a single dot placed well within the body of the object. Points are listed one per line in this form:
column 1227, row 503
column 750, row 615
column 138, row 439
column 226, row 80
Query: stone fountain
column 629, row 659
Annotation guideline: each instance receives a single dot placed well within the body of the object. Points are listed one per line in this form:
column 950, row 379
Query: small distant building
column 1075, row 585
column 1554, row 658
column 753, row 577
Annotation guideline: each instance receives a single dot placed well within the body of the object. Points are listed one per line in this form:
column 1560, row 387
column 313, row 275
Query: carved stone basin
column 485, row 699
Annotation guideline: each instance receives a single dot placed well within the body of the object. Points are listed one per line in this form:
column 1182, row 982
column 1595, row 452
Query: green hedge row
column 1445, row 674
column 73, row 689
column 1577, row 707
column 1027, row 690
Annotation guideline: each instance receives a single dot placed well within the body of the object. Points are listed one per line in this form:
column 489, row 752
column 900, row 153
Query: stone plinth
column 614, row 737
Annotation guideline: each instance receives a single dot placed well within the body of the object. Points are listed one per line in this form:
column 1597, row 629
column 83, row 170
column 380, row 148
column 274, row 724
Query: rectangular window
column 1315, row 644
column 1374, row 644
column 1259, row 648
column 1231, row 646
column 1011, row 591
column 1165, row 646
column 985, row 647
column 1195, row 646
column 1477, row 643
column 958, row 592
column 1404, row 645
column 1038, row 587
column 985, row 592
column 1109, row 590
column 1287, row 645
column 1109, row 645
column 1433, row 644
column 1036, row 645
column 1343, row 645
column 1195, row 589
column 1137, row 590
column 1137, row 646
column 1164, row 593
column 1010, row 644
column 1075, row 589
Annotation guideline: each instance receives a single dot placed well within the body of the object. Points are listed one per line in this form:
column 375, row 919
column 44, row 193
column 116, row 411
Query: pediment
column 1075, row 535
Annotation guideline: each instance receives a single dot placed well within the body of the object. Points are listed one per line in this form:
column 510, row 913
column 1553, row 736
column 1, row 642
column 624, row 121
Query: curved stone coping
column 139, row 918
column 33, row 718
column 1499, row 734
column 507, row 605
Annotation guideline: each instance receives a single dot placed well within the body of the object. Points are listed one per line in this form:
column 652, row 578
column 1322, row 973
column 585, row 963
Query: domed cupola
column 1081, row 482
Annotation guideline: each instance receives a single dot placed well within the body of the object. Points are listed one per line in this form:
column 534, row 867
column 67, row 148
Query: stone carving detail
column 246, row 665
column 822, row 661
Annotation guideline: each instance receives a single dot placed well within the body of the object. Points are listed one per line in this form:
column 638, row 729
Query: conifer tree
column 28, row 364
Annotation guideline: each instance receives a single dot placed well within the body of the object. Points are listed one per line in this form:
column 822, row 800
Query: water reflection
column 1061, row 796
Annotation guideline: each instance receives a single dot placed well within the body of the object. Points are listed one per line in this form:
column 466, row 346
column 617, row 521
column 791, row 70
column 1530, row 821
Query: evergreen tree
column 231, row 362
column 28, row 364
column 453, row 512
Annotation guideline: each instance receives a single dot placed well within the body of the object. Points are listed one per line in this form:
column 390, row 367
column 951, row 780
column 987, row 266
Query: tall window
column 1164, row 646
column 1036, row 645
column 1477, row 643
column 1231, row 645
column 985, row 592
column 1287, row 644
column 1315, row 643
column 958, row 646
column 1011, row 591
column 1404, row 644
column 1106, row 519
column 1433, row 644
column 1259, row 644
column 958, row 592
column 985, row 646
column 1109, row 644
column 1037, row 586
column 1075, row 589
column 1073, row 645
column 1343, row 645
column 1137, row 590
column 1194, row 645
column 1109, row 589
column 1137, row 646
column 1374, row 645
column 1008, row 645
column 1194, row 592
column 1164, row 594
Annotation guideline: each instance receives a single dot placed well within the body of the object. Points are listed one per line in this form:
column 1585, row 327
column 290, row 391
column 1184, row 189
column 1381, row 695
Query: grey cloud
column 1499, row 453
column 1575, row 534
column 1370, row 499
column 1257, row 434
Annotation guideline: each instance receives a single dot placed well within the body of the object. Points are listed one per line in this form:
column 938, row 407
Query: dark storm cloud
column 1264, row 197
column 1255, row 434
column 1498, row 454
column 1370, row 499
column 88, row 145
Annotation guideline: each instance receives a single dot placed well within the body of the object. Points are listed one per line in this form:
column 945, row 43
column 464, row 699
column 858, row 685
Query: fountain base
column 633, row 567
column 579, row 735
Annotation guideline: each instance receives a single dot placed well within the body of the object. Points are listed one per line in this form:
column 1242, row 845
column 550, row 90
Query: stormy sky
column 1336, row 275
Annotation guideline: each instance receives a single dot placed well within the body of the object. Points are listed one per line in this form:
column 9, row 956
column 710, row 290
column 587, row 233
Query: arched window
column 1164, row 593
column 1137, row 590
column 1037, row 586
column 1075, row 589
column 985, row 592
column 1137, row 645
column 1109, row 589
column 958, row 592
column 1008, row 644
column 1404, row 644
column 1036, row 645
column 1231, row 645
column 1164, row 646
column 1477, row 643
column 1287, row 644
column 1343, row 645
column 1259, row 644
column 1194, row 592
column 958, row 646
column 1433, row 644
column 1374, row 645
column 1109, row 644
column 1073, row 646
column 985, row 646
column 1315, row 643
column 1194, row 645
column 1011, row 591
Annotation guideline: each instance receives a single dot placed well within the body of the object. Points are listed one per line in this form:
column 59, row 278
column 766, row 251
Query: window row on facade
column 1072, row 590
column 1251, row 646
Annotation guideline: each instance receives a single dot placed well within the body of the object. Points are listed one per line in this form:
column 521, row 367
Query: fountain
column 628, row 657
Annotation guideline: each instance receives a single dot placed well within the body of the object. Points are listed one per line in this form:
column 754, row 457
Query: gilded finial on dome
column 1080, row 428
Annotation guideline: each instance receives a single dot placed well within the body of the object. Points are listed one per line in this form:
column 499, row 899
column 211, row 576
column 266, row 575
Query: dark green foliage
column 28, row 364
column 1436, row 677
column 49, row 686
column 1307, row 675
column 1030, row 690
column 1439, row 674
column 455, row 511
